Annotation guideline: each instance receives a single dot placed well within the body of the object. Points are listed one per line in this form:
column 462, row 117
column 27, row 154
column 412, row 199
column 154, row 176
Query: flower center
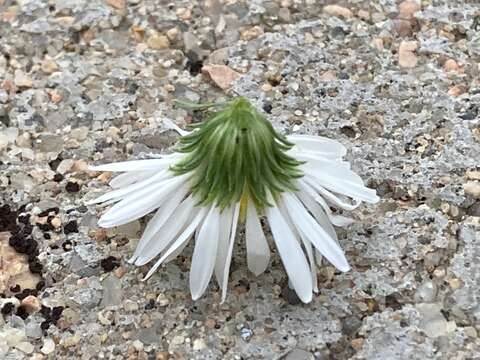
column 237, row 153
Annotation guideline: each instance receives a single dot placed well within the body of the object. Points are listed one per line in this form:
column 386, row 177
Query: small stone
column 112, row 291
column 117, row 4
column 80, row 133
column 473, row 175
column 22, row 80
column 426, row 292
column 266, row 87
column 298, row 354
column 199, row 344
column 457, row 90
column 184, row 14
column 48, row 346
column 138, row 345
column 472, row 188
column 433, row 323
column 252, row 33
column 65, row 166
column 71, row 341
column 357, row 343
column 406, row 54
column 338, row 11
column 451, row 65
column 378, row 43
column 363, row 14
column 177, row 340
column 49, row 66
column 474, row 209
column 221, row 75
column 25, row 347
column 455, row 283
column 408, row 8
column 158, row 42
column 31, row 304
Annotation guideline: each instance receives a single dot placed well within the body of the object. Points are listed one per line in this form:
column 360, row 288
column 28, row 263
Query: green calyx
column 237, row 153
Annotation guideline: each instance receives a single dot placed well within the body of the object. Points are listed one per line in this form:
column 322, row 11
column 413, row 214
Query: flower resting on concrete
column 231, row 168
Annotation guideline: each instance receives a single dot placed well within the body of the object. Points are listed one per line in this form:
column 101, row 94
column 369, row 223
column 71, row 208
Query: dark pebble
column 7, row 308
column 109, row 263
column 22, row 312
column 70, row 227
column 474, row 210
column 72, row 187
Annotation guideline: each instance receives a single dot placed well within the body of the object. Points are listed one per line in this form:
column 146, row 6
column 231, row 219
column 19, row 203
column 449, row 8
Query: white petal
column 140, row 203
column 223, row 242
column 169, row 124
column 138, row 165
column 318, row 143
column 343, row 181
column 120, row 193
column 258, row 252
column 228, row 258
column 291, row 254
column 204, row 253
column 308, row 227
column 306, row 244
column 160, row 218
column 329, row 196
column 167, row 233
column 129, row 178
column 180, row 241
column 318, row 212
column 308, row 193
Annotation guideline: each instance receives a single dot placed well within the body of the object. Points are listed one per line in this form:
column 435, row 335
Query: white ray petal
column 205, row 253
column 129, row 178
column 258, row 252
column 329, row 196
column 228, row 258
column 306, row 244
column 138, row 165
column 120, row 193
column 140, row 203
column 169, row 124
column 317, row 211
column 160, row 218
column 223, row 242
column 180, row 241
column 291, row 254
column 343, row 181
column 308, row 227
column 167, row 233
column 309, row 193
column 318, row 143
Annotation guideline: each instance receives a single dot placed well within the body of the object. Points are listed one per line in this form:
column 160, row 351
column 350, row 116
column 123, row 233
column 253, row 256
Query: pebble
column 472, row 188
column 433, row 323
column 31, row 304
column 199, row 344
column 177, row 340
column 158, row 42
column 451, row 65
column 298, row 354
column 252, row 33
column 221, row 75
column 339, row 11
column 48, row 346
column 426, row 292
column 22, row 80
column 406, row 54
column 408, row 8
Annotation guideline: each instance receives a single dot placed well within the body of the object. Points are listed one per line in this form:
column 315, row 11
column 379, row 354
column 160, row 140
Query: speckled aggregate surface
column 85, row 82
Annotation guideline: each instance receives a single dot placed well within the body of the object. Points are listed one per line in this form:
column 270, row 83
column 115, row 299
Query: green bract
column 237, row 153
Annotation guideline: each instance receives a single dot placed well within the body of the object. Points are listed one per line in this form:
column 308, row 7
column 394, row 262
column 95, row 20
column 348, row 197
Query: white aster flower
column 235, row 167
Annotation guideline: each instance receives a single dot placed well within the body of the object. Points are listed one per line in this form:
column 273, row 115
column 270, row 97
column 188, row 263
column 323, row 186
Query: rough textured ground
column 94, row 81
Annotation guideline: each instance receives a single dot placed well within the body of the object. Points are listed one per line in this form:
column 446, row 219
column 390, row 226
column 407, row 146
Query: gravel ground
column 92, row 81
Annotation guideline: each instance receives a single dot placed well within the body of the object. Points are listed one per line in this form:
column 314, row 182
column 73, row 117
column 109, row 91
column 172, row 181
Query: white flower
column 299, row 216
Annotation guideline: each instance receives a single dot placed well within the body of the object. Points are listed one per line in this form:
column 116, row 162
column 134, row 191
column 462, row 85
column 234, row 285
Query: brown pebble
column 31, row 304
column 406, row 54
column 339, row 11
column 407, row 9
column 451, row 65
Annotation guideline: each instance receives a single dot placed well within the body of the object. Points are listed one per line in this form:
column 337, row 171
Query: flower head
column 235, row 167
